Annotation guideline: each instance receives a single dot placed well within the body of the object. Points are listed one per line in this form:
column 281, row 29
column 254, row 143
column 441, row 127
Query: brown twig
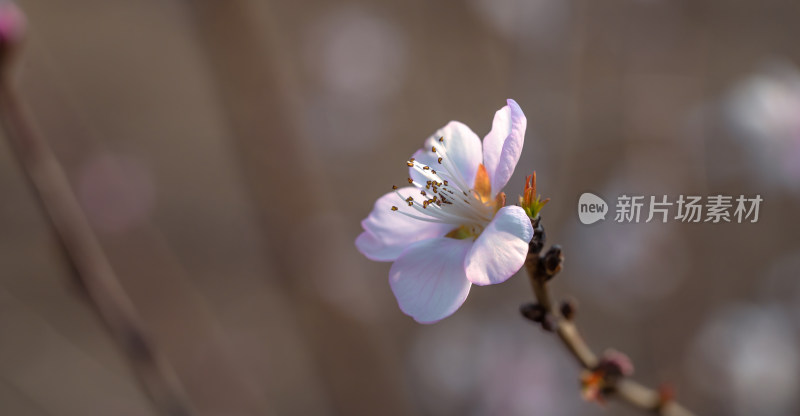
column 543, row 267
column 49, row 183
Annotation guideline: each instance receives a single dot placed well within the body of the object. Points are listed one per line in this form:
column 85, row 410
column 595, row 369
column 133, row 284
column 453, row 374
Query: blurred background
column 226, row 151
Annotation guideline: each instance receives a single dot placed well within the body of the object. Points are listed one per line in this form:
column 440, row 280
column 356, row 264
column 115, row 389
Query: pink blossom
column 450, row 228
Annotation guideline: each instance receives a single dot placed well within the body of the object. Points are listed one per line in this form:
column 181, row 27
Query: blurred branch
column 543, row 267
column 255, row 76
column 49, row 183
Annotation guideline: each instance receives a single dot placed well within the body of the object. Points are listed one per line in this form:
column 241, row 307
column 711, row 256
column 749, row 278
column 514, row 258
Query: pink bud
column 12, row 31
column 12, row 23
column 620, row 360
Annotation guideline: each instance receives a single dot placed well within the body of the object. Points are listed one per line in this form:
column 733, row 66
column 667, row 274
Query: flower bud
column 530, row 201
column 12, row 31
column 552, row 261
column 539, row 314
column 616, row 363
column 666, row 393
column 601, row 381
column 568, row 309
column 533, row 311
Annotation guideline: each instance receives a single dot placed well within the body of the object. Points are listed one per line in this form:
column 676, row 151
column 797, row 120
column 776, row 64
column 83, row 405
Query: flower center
column 464, row 232
column 446, row 198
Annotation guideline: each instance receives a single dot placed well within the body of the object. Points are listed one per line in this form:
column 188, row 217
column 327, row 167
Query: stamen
column 435, row 207
column 458, row 216
column 394, row 208
column 417, row 217
column 394, row 187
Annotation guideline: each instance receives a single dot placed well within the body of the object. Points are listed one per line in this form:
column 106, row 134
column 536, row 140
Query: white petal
column 463, row 148
column 387, row 233
column 500, row 250
column 428, row 279
column 503, row 145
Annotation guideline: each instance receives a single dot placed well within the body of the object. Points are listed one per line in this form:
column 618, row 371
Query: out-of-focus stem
column 54, row 193
column 540, row 271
